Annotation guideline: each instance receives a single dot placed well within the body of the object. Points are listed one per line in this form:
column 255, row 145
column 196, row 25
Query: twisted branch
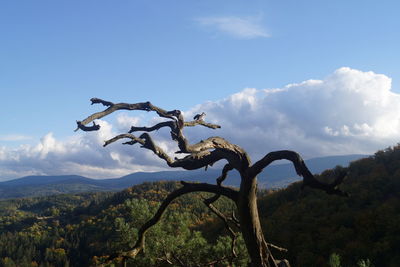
column 301, row 170
column 226, row 221
column 220, row 179
column 233, row 153
column 145, row 106
column 171, row 124
column 94, row 127
column 191, row 162
column 228, row 167
column 174, row 115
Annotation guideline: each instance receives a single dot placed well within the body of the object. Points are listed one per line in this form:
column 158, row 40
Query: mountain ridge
column 274, row 176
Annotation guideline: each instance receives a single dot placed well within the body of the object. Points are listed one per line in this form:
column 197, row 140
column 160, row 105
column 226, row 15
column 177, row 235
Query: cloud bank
column 348, row 112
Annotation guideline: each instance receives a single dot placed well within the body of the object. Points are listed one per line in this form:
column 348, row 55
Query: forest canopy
column 75, row 230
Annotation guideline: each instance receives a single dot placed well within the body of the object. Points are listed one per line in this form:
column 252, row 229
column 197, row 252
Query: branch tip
column 96, row 100
column 81, row 126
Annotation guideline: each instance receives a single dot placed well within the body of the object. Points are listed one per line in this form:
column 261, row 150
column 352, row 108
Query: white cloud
column 238, row 27
column 125, row 122
column 84, row 154
column 348, row 112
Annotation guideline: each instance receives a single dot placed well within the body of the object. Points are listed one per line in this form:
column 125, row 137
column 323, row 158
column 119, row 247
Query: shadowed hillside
column 313, row 225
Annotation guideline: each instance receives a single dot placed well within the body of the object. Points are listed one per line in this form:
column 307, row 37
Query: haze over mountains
column 274, row 176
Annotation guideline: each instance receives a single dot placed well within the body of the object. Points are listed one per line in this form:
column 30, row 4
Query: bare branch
column 145, row 106
column 199, row 160
column 301, row 170
column 122, row 136
column 234, row 219
column 94, row 127
column 201, row 122
column 226, row 220
column 190, row 162
column 146, row 141
column 220, row 179
column 235, row 155
column 276, row 247
column 158, row 126
column 228, row 167
column 95, row 100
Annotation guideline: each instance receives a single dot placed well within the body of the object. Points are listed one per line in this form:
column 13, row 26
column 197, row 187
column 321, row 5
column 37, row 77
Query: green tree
column 334, row 260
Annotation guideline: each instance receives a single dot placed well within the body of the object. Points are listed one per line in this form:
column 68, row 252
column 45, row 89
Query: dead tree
column 203, row 154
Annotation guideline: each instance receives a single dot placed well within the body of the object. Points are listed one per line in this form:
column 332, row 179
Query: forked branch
column 226, row 221
column 195, row 160
column 174, row 115
column 202, row 154
column 145, row 106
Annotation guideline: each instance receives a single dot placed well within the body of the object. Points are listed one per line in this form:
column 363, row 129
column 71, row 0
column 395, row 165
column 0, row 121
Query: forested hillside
column 83, row 229
column 77, row 230
column 313, row 225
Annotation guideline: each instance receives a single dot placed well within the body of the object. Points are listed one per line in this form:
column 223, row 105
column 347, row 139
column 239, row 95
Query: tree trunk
column 203, row 154
column 253, row 236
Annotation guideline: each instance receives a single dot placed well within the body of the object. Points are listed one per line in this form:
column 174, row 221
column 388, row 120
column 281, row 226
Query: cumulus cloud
column 349, row 111
column 124, row 121
column 82, row 154
column 238, row 27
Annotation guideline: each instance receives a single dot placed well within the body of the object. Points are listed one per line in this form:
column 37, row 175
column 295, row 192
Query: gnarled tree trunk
column 204, row 154
column 250, row 224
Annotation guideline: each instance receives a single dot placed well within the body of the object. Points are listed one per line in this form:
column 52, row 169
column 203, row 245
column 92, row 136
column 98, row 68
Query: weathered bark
column 203, row 154
column 250, row 223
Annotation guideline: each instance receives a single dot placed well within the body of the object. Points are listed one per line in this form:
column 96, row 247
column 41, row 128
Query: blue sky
column 190, row 55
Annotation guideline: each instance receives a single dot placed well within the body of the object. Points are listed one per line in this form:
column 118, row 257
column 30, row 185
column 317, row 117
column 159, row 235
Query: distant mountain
column 274, row 176
column 32, row 186
column 47, row 180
